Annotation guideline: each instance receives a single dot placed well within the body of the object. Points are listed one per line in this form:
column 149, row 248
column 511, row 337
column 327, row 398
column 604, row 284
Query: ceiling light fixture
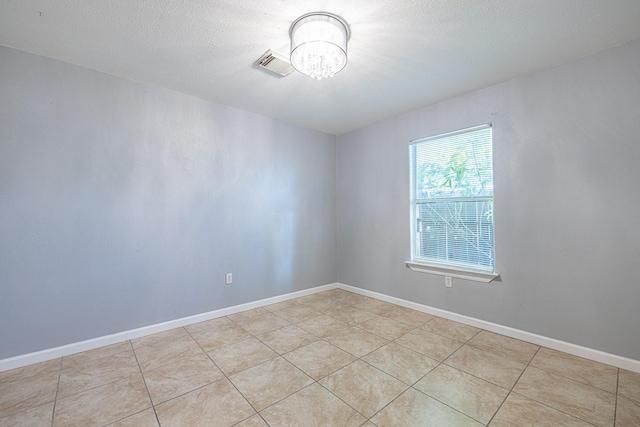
column 319, row 44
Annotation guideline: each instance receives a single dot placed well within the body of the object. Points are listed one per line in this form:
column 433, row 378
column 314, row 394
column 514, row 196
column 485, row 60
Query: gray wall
column 123, row 205
column 567, row 203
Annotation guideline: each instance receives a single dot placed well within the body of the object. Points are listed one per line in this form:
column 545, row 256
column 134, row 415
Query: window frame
column 445, row 268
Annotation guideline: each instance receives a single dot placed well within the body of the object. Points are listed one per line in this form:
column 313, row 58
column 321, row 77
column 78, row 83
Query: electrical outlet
column 447, row 281
column 229, row 279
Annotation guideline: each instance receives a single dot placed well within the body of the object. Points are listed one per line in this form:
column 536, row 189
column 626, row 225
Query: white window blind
column 452, row 199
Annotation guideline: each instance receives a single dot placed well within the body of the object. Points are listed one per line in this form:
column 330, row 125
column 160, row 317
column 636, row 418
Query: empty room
column 319, row 213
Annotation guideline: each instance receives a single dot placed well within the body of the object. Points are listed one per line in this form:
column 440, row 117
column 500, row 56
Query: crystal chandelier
column 319, row 44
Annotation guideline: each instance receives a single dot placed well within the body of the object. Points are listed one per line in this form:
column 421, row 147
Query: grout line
column 229, row 379
column 514, row 385
column 560, row 374
column 554, row 409
column 144, row 380
column 615, row 408
column 360, row 358
column 55, row 399
column 534, row 400
column 342, row 400
column 448, row 405
column 127, row 416
column 412, row 386
column 386, row 373
column 353, row 361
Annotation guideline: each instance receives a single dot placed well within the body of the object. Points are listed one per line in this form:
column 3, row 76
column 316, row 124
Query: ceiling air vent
column 275, row 63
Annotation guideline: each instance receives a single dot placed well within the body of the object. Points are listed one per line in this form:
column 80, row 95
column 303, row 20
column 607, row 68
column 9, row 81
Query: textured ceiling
column 403, row 54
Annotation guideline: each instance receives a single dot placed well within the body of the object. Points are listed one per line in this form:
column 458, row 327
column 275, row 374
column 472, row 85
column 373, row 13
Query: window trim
column 433, row 267
column 449, row 270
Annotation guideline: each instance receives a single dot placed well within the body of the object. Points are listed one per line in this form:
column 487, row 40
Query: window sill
column 460, row 273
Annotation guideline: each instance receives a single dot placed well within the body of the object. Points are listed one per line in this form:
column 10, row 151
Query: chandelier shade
column 319, row 44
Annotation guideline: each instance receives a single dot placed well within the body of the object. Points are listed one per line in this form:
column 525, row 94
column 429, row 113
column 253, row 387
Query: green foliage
column 456, row 171
column 465, row 173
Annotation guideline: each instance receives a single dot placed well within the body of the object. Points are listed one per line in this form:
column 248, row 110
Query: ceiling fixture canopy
column 319, row 44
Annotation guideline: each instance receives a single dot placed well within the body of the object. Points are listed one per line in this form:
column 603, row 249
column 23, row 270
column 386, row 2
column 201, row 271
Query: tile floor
column 334, row 358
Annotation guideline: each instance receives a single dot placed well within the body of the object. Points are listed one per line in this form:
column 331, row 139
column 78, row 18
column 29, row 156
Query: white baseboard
column 576, row 350
column 66, row 350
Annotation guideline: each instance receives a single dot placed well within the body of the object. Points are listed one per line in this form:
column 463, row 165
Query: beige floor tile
column 177, row 334
column 296, row 314
column 323, row 325
column 333, row 293
column 310, row 299
column 213, row 338
column 146, row 418
column 336, row 308
column 281, row 305
column 31, row 370
column 400, row 362
column 96, row 353
column 376, row 306
column 352, row 315
column 159, row 349
column 450, row 329
column 18, row 393
column 78, row 377
column 265, row 384
column 488, row 366
column 628, row 413
column 287, row 339
column 218, row 322
column 104, row 404
column 312, row 406
column 239, row 356
column 629, row 385
column 356, row 341
column 386, row 328
column 430, row 344
column 519, row 411
column 319, row 359
column 254, row 421
column 265, row 323
column 501, row 345
column 38, row 416
column 409, row 316
column 318, row 303
column 185, row 375
column 153, row 354
column 595, row 374
column 363, row 387
column 414, row 408
column 476, row 398
column 351, row 298
column 104, row 386
column 248, row 316
column 216, row 405
column 580, row 400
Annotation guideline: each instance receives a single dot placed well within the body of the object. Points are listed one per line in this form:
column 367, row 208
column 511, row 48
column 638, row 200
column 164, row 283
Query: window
column 452, row 202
